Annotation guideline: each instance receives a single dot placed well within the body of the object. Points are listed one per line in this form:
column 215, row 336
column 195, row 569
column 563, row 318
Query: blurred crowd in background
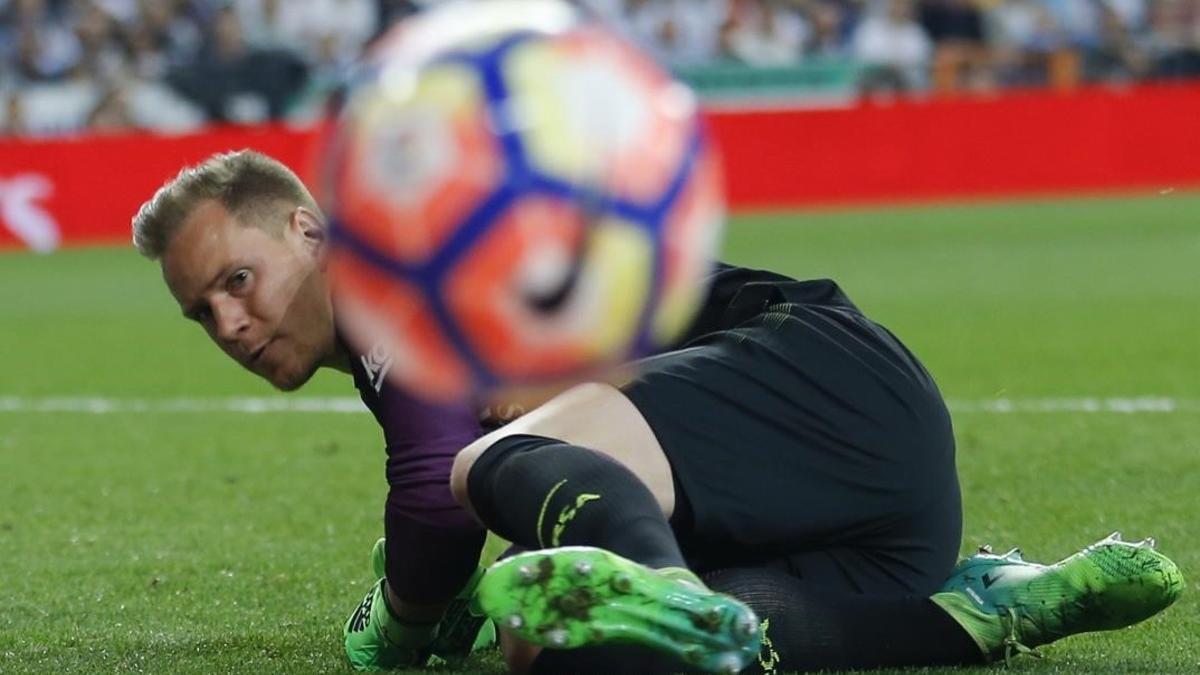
column 105, row 65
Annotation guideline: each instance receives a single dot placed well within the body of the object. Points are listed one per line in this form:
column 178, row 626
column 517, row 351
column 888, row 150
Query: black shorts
column 805, row 436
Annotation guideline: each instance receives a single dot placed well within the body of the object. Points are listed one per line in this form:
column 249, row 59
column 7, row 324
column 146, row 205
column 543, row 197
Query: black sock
column 810, row 630
column 539, row 492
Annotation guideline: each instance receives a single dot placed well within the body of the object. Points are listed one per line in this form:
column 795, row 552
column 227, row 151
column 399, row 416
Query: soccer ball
column 516, row 196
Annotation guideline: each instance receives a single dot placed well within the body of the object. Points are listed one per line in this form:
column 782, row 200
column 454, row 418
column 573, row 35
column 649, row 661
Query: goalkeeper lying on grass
column 777, row 493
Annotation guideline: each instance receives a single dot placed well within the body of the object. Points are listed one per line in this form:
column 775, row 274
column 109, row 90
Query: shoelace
column 1012, row 643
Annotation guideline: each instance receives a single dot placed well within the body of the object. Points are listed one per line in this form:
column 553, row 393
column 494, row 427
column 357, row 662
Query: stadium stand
column 175, row 65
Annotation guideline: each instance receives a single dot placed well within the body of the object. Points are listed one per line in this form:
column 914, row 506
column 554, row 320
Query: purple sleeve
column 427, row 564
column 433, row 544
column 422, row 441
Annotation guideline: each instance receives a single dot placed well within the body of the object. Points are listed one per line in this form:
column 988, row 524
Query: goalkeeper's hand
column 464, row 627
column 376, row 640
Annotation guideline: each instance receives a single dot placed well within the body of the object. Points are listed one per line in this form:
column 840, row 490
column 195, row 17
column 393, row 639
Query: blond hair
column 245, row 182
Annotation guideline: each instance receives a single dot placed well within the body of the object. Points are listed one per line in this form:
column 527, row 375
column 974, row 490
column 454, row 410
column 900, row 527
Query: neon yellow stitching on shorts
column 542, row 512
column 567, row 514
column 771, row 659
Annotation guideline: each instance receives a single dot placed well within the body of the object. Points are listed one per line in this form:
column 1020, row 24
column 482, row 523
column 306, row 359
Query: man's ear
column 309, row 227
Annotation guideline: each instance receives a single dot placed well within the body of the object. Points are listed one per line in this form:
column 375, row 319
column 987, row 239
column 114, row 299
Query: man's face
column 261, row 297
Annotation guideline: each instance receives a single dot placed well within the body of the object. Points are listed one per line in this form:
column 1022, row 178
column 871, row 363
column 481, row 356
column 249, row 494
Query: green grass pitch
column 180, row 541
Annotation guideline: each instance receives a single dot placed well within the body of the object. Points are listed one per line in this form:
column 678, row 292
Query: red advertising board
column 84, row 190
column 87, row 189
column 1017, row 144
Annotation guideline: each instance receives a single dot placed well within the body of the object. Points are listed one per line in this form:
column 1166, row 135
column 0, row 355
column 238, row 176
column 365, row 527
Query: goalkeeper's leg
column 805, row 629
column 990, row 608
column 634, row 588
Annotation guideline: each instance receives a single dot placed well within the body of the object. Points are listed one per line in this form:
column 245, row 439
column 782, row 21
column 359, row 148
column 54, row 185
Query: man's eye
column 238, row 279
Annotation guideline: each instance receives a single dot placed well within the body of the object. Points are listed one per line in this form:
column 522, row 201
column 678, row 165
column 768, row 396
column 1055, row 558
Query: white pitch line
column 101, row 405
column 1120, row 405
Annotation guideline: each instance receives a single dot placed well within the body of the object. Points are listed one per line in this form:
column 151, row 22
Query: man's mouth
column 256, row 355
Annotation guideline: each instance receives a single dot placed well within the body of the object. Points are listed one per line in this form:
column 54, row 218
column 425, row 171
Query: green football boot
column 576, row 596
column 1009, row 606
column 463, row 629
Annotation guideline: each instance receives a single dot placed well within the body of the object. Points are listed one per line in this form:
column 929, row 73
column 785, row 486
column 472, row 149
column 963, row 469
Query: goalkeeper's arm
column 432, row 544
column 427, row 565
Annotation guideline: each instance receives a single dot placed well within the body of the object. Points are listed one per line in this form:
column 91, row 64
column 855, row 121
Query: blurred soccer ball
column 516, row 196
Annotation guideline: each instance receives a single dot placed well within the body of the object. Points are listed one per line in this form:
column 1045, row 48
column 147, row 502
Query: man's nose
column 231, row 320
